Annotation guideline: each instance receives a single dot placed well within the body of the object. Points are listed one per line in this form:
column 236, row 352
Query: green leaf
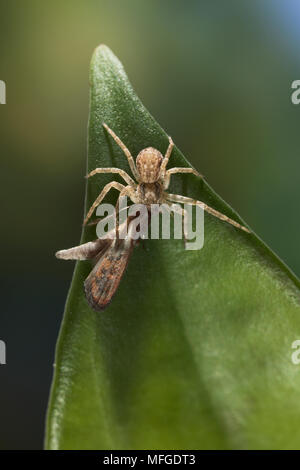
column 195, row 349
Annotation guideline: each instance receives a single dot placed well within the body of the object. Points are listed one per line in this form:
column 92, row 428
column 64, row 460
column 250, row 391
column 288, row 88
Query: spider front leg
column 125, row 192
column 118, row 171
column 210, row 210
column 107, row 187
column 108, row 217
column 164, row 163
column 172, row 171
column 125, row 150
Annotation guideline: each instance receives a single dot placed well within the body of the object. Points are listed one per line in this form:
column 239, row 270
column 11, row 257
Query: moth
column 111, row 255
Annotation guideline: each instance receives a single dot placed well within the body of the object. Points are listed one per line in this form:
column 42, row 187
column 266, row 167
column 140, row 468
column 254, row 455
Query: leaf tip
column 102, row 51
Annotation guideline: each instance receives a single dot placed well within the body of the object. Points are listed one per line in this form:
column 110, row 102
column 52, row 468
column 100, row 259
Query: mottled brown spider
column 153, row 179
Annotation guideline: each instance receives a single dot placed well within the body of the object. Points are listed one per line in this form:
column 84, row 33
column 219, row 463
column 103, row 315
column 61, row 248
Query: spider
column 152, row 181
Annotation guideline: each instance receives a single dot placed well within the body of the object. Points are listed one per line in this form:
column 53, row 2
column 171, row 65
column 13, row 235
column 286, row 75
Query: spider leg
column 125, row 150
column 120, row 172
column 174, row 170
column 210, row 210
column 106, row 218
column 164, row 163
column 107, row 187
column 123, row 193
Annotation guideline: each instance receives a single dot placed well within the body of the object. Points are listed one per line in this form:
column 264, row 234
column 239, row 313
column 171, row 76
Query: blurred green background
column 216, row 75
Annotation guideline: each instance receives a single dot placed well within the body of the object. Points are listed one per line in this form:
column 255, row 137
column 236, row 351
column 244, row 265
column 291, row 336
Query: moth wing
column 103, row 281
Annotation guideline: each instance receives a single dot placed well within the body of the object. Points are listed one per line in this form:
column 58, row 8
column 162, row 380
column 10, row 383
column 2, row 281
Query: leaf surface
column 195, row 349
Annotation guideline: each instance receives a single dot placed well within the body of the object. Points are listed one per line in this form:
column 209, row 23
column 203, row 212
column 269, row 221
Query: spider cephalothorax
column 148, row 163
column 150, row 189
column 152, row 181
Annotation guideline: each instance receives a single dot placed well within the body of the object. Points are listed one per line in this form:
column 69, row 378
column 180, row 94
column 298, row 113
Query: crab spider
column 152, row 181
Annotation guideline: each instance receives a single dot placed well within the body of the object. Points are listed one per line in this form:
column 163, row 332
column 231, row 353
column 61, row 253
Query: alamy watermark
column 154, row 222
column 2, row 92
column 2, row 343
column 2, row 352
column 295, row 96
column 295, row 357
